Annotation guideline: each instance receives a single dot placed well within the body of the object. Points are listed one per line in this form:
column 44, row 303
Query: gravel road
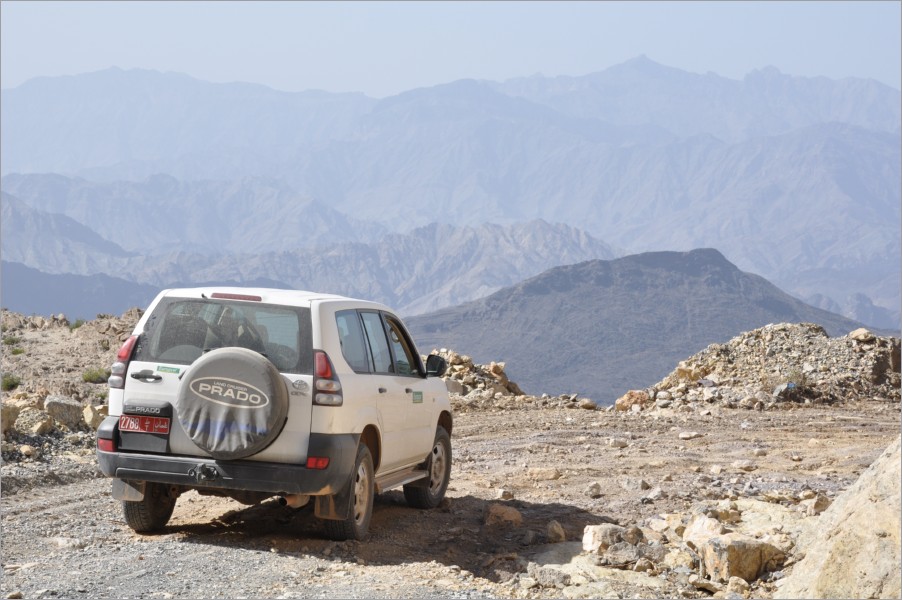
column 64, row 536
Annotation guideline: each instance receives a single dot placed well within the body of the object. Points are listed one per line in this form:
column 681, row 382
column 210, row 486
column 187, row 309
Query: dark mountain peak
column 686, row 262
column 603, row 326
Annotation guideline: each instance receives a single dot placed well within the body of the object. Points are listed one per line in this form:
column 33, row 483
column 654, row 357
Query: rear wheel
column 153, row 512
column 438, row 465
column 356, row 525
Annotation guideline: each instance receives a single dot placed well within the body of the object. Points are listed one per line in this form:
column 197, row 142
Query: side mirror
column 435, row 365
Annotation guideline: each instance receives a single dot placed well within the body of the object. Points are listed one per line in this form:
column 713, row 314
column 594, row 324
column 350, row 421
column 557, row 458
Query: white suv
column 254, row 393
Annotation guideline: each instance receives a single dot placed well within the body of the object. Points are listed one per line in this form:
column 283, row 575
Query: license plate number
column 141, row 424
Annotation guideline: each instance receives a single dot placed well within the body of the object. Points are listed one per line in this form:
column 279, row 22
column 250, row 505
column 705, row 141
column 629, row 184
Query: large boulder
column 854, row 552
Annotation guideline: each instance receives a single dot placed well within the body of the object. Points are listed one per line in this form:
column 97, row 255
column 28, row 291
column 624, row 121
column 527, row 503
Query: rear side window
column 353, row 344
column 375, row 333
column 180, row 330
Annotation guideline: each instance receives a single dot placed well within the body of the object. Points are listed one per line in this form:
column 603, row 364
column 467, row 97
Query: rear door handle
column 146, row 376
column 408, row 391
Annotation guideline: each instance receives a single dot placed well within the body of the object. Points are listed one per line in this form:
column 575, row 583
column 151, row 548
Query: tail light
column 120, row 367
column 326, row 387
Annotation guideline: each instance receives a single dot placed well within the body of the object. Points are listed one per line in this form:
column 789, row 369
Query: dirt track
column 69, row 540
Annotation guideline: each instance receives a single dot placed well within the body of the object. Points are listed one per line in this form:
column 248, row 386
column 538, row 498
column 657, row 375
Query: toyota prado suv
column 254, row 393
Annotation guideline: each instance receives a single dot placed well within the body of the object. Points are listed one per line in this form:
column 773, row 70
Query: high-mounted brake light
column 120, row 367
column 222, row 296
column 326, row 387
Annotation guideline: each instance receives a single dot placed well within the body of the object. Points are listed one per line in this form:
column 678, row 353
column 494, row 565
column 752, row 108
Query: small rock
column 94, row 415
column 555, row 532
column 738, row 585
column 504, row 494
column 27, row 450
column 598, row 538
column 632, row 398
column 500, row 514
column 8, row 415
column 644, row 565
column 618, row 443
column 716, row 469
column 527, row 583
column 64, row 411
column 862, row 335
column 744, row 465
column 735, row 554
column 621, row 554
column 632, row 535
column 35, row 422
column 689, row 435
column 593, row 490
column 759, row 452
column 817, row 505
column 544, row 474
column 588, row 404
column 704, row 584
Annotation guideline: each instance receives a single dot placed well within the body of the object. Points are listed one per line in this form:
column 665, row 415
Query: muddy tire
column 153, row 512
column 431, row 492
column 357, row 523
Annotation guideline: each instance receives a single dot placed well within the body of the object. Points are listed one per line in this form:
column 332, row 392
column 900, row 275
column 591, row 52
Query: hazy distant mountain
column 54, row 241
column 163, row 214
column 766, row 102
column 429, row 268
column 133, row 117
column 794, row 178
column 602, row 327
column 29, row 291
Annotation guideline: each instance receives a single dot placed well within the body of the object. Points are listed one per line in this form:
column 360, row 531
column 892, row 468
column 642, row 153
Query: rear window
column 181, row 329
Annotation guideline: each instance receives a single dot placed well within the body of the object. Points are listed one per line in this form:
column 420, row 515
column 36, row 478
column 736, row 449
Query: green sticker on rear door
column 163, row 369
column 417, row 397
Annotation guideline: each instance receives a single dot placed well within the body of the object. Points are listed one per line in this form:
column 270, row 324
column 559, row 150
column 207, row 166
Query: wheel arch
column 446, row 421
column 371, row 438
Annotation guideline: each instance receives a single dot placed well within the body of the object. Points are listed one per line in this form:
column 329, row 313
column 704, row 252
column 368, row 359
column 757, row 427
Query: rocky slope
column 601, row 327
column 550, row 497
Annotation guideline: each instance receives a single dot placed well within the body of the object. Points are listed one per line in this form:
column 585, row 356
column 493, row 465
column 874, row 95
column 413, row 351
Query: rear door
column 180, row 330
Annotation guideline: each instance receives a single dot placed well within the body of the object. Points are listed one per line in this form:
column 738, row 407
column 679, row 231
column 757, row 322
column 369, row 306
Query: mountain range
column 428, row 268
column 602, row 327
column 796, row 179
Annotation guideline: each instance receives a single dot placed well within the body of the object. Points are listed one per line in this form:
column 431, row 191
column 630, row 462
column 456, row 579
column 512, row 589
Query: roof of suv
column 267, row 295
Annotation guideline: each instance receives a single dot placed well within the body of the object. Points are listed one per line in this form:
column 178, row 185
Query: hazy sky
column 382, row 48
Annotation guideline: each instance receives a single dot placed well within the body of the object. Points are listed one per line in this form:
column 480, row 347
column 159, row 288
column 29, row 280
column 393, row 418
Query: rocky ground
column 550, row 496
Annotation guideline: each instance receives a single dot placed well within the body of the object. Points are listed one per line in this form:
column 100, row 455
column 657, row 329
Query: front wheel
column 153, row 512
column 431, row 492
column 356, row 525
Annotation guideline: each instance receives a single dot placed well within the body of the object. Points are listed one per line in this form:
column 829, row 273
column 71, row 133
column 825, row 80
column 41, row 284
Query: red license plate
column 144, row 424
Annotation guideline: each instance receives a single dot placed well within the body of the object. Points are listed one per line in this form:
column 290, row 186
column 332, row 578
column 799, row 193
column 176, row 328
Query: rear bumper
column 199, row 472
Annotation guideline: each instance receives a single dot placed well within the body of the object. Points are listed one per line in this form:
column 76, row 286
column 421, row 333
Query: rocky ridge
column 777, row 363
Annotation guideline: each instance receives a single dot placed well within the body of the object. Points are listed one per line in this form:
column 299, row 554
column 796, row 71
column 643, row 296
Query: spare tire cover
column 232, row 403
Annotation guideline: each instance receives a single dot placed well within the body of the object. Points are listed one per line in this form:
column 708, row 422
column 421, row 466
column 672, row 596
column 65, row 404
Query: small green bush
column 78, row 323
column 95, row 376
column 17, row 351
column 10, row 382
column 11, row 340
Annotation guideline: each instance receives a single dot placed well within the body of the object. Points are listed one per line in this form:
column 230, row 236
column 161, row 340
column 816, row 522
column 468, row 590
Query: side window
column 375, row 333
column 405, row 359
column 353, row 344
